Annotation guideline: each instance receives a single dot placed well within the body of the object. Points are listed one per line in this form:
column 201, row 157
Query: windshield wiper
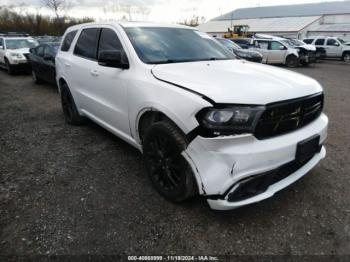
column 171, row 61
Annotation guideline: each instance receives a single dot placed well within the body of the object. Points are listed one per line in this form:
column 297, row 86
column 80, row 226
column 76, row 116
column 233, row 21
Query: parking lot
column 81, row 190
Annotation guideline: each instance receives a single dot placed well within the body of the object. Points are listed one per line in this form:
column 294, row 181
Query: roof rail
column 14, row 34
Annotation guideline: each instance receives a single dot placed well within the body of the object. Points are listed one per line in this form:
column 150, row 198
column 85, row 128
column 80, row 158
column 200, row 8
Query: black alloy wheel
column 168, row 170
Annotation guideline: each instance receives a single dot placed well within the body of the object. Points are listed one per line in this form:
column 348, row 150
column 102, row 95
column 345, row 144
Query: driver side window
column 109, row 41
column 276, row 46
column 40, row 51
column 48, row 51
column 332, row 42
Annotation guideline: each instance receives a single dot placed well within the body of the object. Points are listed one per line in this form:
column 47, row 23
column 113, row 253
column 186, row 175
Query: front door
column 334, row 49
column 277, row 53
column 111, row 89
column 49, row 64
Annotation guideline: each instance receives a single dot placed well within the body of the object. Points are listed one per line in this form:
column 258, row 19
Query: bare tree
column 57, row 7
column 193, row 21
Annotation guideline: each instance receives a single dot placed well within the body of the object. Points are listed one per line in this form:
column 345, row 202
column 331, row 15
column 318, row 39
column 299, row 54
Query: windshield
column 228, row 43
column 297, row 42
column 159, row 45
column 341, row 41
column 20, row 43
column 288, row 43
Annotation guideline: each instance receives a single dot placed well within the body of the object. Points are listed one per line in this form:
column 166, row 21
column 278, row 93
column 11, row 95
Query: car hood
column 308, row 47
column 245, row 52
column 19, row 51
column 237, row 81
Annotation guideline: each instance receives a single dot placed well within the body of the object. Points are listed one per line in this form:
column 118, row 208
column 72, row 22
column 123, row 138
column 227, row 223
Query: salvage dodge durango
column 208, row 124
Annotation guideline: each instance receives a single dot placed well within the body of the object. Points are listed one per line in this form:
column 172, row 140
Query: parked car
column 320, row 52
column 14, row 49
column 42, row 60
column 206, row 123
column 48, row 39
column 335, row 47
column 305, row 53
column 276, row 52
column 249, row 55
column 245, row 43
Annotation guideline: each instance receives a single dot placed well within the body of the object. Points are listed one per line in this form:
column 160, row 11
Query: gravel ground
column 80, row 190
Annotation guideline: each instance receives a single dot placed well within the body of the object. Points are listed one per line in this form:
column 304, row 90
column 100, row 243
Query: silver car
column 277, row 52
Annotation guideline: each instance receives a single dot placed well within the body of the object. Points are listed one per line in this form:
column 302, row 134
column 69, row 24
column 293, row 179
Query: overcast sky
column 153, row 10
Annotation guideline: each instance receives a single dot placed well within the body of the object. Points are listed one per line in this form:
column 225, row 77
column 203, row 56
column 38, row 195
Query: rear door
column 262, row 47
column 334, row 48
column 277, row 53
column 80, row 66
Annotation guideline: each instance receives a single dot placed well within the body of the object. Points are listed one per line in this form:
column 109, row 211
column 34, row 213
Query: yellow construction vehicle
column 238, row 31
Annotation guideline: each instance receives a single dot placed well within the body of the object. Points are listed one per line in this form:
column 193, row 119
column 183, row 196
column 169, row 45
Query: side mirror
column 336, row 44
column 115, row 59
column 1, row 47
column 282, row 47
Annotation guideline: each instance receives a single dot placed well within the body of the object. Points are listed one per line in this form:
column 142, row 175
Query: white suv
column 13, row 52
column 233, row 131
column 335, row 47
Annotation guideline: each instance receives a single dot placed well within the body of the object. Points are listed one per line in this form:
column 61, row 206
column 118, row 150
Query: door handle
column 67, row 65
column 94, row 73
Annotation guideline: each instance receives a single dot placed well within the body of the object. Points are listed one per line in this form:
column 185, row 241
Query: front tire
column 36, row 79
column 168, row 170
column 292, row 61
column 69, row 108
column 9, row 68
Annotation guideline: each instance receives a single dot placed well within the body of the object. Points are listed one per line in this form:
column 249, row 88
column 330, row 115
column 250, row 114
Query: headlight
column 16, row 55
column 243, row 54
column 229, row 120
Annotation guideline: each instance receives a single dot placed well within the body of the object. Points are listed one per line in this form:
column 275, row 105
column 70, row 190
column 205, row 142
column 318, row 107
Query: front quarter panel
column 146, row 93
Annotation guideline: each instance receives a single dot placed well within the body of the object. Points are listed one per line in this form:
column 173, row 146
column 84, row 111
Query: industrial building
column 297, row 21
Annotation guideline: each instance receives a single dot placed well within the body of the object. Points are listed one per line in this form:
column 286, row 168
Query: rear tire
column 292, row 61
column 69, row 108
column 168, row 170
column 346, row 57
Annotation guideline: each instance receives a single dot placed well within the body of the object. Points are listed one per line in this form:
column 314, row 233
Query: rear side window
column 109, row 41
column 262, row 45
column 319, row 41
column 87, row 43
column 308, row 41
column 68, row 41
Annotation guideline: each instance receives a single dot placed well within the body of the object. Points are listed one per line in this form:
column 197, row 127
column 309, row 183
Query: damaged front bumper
column 236, row 171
